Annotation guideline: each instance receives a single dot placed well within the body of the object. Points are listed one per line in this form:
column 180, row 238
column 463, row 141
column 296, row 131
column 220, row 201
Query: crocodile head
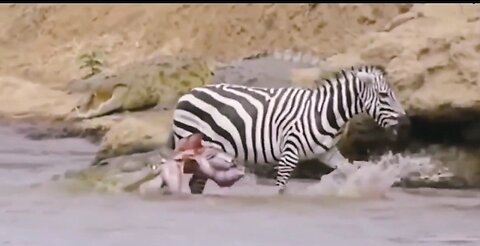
column 120, row 173
column 159, row 81
column 130, row 172
column 97, row 92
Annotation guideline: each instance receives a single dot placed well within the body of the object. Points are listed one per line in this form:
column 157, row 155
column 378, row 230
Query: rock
column 21, row 98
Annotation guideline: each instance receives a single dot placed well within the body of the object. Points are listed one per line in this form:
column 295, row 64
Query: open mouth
column 126, row 180
column 392, row 132
column 135, row 184
column 400, row 129
column 398, row 133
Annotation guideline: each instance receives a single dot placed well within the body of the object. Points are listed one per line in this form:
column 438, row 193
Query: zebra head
column 379, row 100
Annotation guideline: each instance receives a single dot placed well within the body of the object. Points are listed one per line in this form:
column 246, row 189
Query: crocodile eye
column 102, row 163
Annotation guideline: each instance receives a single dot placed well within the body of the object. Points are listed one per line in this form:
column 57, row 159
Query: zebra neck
column 337, row 101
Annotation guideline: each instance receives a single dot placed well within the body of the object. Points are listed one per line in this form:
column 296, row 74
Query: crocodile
column 269, row 68
column 151, row 171
column 157, row 81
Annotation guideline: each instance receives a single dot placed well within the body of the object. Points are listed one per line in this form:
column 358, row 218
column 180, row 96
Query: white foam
column 373, row 178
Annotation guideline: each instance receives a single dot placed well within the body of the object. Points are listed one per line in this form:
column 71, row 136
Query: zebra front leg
column 197, row 184
column 287, row 164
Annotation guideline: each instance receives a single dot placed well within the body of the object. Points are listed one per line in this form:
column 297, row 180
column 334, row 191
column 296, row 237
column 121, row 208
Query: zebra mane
column 329, row 75
column 370, row 68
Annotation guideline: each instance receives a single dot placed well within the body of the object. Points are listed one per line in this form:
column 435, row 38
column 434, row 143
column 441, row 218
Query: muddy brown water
column 246, row 214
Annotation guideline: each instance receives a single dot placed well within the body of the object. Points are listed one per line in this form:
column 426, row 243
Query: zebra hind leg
column 287, row 164
column 197, row 184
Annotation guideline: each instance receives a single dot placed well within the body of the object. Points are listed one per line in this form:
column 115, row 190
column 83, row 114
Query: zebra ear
column 366, row 78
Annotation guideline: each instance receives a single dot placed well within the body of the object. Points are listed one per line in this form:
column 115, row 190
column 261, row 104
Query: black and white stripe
column 284, row 125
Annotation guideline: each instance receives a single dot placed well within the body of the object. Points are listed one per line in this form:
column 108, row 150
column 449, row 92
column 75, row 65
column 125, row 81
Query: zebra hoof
column 282, row 190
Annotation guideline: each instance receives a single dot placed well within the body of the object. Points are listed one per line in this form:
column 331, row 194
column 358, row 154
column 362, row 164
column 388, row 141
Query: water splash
column 373, row 179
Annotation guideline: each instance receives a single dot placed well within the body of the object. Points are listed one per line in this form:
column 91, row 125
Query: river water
column 246, row 214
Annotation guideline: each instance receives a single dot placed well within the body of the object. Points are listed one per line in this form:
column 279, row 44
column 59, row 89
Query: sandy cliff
column 42, row 42
column 431, row 51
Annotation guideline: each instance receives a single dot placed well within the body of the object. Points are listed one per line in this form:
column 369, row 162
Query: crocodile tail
column 306, row 58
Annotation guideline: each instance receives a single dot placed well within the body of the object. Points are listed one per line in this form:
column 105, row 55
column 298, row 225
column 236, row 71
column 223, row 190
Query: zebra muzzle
column 400, row 131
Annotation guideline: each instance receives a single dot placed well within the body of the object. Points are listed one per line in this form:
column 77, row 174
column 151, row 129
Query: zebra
column 289, row 124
